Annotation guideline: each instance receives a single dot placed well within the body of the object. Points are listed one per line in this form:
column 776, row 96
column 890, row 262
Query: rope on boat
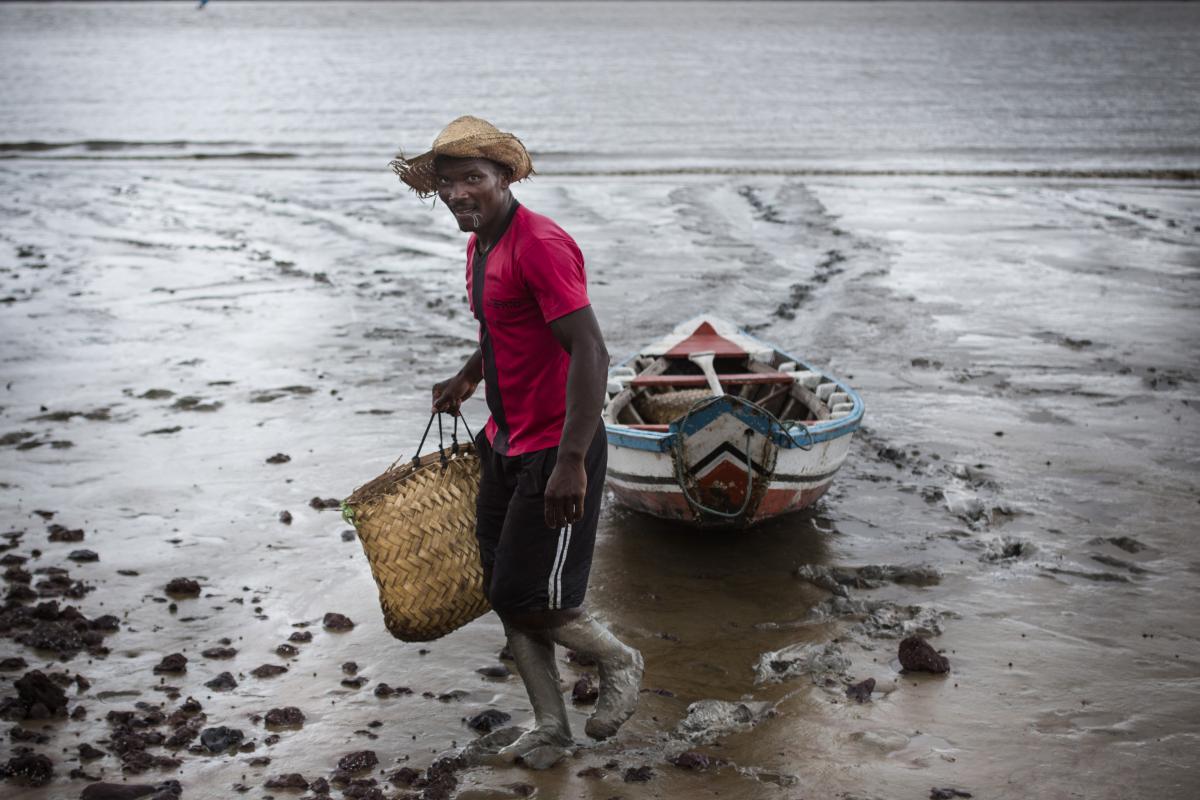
column 681, row 461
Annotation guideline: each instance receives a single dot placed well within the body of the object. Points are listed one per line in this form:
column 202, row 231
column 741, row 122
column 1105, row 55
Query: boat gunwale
column 821, row 431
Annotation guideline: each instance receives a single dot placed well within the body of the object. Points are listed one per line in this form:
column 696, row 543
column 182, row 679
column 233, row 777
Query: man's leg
column 532, row 652
column 543, row 594
column 550, row 738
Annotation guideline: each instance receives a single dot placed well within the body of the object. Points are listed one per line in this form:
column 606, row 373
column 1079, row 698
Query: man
column 543, row 451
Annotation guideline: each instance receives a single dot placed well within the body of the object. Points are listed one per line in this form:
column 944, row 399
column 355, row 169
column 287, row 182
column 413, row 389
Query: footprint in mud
column 96, row 414
column 271, row 395
column 1098, row 577
column 1126, row 543
column 1118, row 563
column 799, row 293
column 194, row 403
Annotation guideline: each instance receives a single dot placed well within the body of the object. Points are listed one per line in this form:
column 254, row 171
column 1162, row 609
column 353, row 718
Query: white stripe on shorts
column 554, row 589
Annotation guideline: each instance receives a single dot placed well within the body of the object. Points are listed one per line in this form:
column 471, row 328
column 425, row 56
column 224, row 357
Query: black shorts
column 527, row 566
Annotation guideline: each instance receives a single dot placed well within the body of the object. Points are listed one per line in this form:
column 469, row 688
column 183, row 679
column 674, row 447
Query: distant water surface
column 601, row 86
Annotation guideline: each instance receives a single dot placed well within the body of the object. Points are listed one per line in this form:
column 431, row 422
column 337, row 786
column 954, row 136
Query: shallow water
column 1025, row 346
column 599, row 86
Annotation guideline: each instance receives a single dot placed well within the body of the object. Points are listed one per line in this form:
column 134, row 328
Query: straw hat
column 465, row 137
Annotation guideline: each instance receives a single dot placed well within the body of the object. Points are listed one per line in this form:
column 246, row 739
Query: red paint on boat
column 704, row 339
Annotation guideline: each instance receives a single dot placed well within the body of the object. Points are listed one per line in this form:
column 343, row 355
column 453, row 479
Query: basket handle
column 441, row 437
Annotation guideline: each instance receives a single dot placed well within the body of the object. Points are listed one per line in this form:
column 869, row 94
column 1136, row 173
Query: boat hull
column 716, row 472
column 724, row 459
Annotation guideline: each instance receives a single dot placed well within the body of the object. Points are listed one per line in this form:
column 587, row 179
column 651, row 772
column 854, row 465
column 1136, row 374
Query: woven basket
column 416, row 523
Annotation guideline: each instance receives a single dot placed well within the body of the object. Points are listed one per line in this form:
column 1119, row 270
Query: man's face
column 474, row 189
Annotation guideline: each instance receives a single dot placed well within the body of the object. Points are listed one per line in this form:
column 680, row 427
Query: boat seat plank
column 732, row 379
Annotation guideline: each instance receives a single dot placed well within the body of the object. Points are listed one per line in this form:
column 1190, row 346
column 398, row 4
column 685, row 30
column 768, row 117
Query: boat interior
column 649, row 392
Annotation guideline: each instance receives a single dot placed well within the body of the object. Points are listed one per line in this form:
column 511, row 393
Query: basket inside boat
column 416, row 523
column 660, row 409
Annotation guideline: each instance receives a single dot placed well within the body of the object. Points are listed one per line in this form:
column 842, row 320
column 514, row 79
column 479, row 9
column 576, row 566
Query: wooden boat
column 712, row 426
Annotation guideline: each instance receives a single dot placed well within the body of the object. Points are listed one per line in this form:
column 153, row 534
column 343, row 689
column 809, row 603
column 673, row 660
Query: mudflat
column 198, row 362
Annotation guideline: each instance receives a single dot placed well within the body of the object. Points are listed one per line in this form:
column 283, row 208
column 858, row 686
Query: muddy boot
column 621, row 670
column 550, row 738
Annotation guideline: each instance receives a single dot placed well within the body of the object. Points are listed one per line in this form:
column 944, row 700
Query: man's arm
column 449, row 394
column 579, row 334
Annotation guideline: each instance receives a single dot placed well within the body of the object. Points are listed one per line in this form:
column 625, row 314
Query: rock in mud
column 404, row 776
column 497, row 671
column 27, row 768
column 300, row 637
column 947, row 794
column 337, row 622
column 329, row 502
column 61, row 638
column 638, row 774
column 219, row 652
column 861, row 691
column 38, row 697
column 83, row 556
column 185, row 734
column 60, row 533
column 690, row 759
column 222, row 682
column 818, row 661
column 289, row 716
column 167, row 790
column 220, row 739
column 279, row 458
column 182, row 587
column 287, row 651
column 488, row 720
column 285, row 517
column 584, row 691
column 268, row 670
column 292, row 780
column 708, row 720
column 88, row 752
column 918, row 655
column 172, row 664
column 357, row 761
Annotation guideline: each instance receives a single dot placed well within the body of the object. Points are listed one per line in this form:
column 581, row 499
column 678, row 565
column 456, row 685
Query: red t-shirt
column 533, row 275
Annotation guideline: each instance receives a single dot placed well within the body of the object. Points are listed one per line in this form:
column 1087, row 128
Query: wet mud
column 185, row 402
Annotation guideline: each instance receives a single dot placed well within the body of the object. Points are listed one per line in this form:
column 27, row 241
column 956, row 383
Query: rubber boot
column 550, row 739
column 621, row 669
